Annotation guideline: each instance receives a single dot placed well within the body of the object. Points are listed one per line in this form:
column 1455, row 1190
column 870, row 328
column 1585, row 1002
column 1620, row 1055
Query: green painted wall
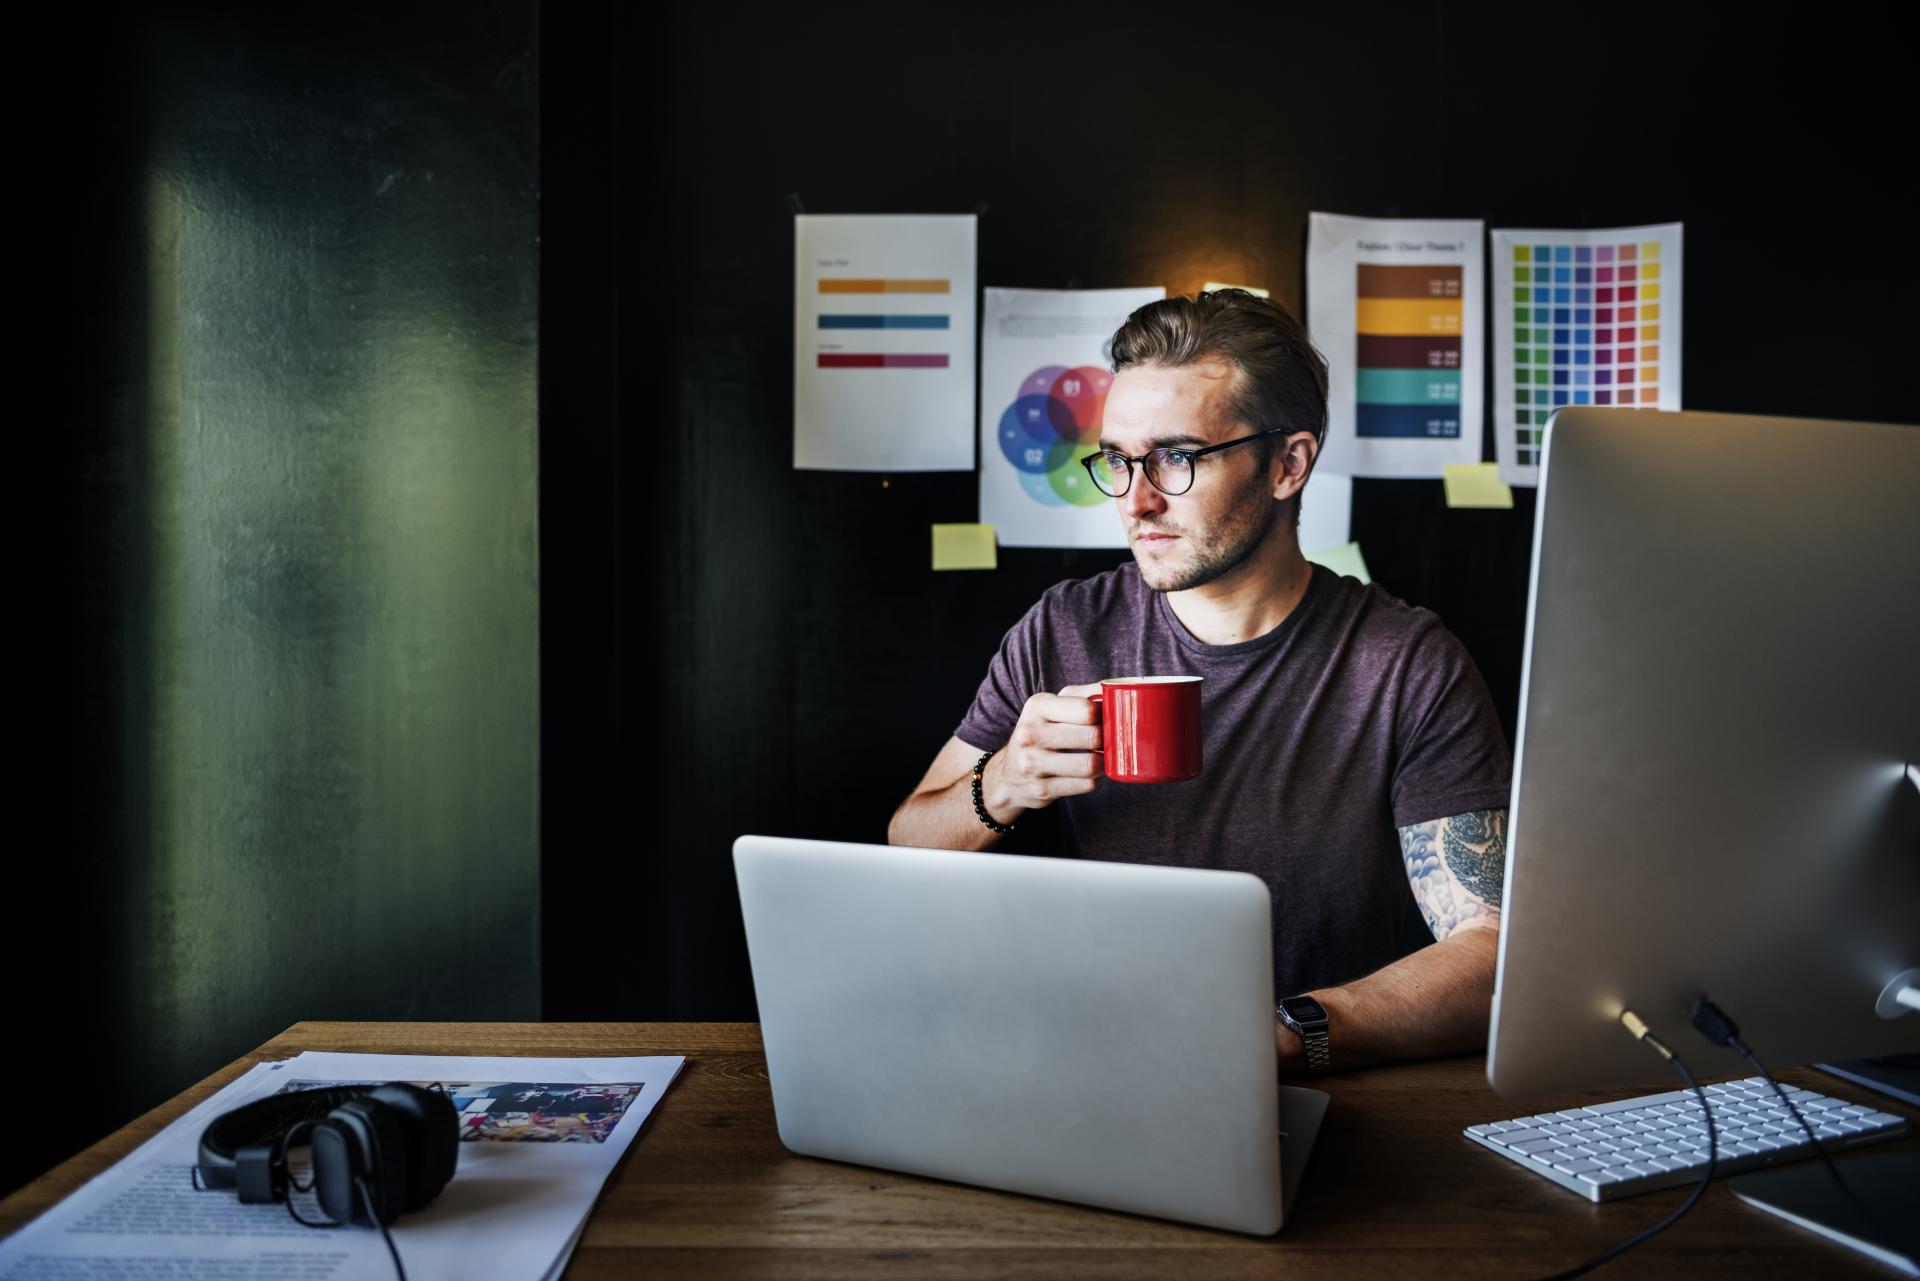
column 298, row 593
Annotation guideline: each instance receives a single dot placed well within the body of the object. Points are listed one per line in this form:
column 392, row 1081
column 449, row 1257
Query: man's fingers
column 1053, row 736
column 1050, row 765
column 1066, row 709
column 1059, row 787
column 1080, row 691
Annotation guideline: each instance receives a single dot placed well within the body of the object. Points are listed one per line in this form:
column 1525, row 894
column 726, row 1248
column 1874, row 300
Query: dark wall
column 283, row 605
column 776, row 655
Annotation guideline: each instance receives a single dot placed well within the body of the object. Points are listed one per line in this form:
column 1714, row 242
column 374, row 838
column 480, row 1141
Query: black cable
column 1642, row 1033
column 1713, row 1023
column 294, row 1185
column 360, row 1181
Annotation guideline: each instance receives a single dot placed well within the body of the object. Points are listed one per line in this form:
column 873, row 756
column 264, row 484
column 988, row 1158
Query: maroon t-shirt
column 1356, row 716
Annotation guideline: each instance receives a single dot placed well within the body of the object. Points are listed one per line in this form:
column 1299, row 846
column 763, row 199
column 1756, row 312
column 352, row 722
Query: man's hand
column 1054, row 752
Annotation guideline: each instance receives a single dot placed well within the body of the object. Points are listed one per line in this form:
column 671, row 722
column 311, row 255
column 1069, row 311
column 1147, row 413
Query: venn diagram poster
column 1580, row 318
column 1045, row 367
column 883, row 327
column 1396, row 307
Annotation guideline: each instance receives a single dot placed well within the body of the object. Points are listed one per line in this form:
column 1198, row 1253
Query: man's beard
column 1224, row 551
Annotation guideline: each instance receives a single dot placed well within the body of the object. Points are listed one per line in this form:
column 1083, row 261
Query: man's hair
column 1282, row 380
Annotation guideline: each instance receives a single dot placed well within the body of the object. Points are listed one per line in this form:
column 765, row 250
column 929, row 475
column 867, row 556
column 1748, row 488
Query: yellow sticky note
column 1343, row 559
column 1212, row 285
column 1477, row 485
column 965, row 547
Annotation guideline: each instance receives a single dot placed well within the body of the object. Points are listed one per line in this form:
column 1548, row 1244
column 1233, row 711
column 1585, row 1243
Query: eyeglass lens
column 1169, row 470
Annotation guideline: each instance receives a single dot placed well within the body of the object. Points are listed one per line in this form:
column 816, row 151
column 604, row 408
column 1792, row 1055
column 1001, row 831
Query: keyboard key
column 1510, row 1137
column 1578, row 1167
column 1639, row 1104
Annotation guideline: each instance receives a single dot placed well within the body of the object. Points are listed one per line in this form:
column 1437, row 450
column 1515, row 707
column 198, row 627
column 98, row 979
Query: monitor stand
column 1892, row 1074
column 1804, row 1194
column 1897, row 1075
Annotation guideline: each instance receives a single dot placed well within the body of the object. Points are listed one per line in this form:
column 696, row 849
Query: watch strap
column 1314, row 1038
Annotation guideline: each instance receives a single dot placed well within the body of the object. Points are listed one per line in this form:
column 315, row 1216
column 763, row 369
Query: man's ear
column 1296, row 458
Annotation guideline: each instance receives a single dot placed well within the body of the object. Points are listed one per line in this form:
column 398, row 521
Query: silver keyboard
column 1618, row 1149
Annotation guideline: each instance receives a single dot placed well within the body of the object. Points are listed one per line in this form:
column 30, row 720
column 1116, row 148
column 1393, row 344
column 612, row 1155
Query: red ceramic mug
column 1150, row 728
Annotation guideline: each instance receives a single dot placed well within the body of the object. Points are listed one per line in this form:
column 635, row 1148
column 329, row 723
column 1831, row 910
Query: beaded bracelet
column 980, row 806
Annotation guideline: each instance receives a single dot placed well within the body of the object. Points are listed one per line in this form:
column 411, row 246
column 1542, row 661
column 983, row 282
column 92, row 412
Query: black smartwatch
column 1308, row 1018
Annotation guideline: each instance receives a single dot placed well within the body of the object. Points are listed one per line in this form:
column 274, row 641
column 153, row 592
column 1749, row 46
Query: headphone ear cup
column 360, row 1139
column 433, row 1138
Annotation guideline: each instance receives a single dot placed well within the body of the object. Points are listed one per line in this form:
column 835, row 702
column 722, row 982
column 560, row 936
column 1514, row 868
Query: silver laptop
column 1091, row 1032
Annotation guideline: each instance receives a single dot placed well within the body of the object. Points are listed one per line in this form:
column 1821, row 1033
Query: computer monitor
column 1713, row 789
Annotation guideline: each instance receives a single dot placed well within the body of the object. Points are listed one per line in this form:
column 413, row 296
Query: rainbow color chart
column 1584, row 318
column 1590, row 315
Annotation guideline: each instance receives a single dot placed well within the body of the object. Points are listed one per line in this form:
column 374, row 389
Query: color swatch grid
column 1586, row 331
column 1407, row 322
column 871, row 320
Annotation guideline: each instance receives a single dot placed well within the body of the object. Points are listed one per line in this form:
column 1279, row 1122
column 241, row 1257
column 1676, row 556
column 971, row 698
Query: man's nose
column 1141, row 498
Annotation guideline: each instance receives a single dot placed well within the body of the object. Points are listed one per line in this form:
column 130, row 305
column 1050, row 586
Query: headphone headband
column 242, row 1149
column 262, row 1122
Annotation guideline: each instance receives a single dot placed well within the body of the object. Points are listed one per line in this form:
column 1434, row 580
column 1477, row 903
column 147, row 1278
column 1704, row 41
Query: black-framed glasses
column 1168, row 469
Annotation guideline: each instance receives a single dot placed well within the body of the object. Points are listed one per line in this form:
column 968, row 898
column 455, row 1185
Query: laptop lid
column 1094, row 1032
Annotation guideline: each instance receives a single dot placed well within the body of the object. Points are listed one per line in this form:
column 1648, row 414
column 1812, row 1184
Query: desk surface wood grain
column 1393, row 1188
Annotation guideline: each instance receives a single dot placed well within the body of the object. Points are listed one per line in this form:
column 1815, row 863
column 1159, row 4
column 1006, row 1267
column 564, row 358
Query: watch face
column 1304, row 1009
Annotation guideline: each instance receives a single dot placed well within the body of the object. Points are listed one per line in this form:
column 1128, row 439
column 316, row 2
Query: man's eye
column 1176, row 457
column 1114, row 462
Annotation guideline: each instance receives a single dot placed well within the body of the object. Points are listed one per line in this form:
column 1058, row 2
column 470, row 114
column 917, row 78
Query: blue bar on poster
column 1433, row 422
column 883, row 322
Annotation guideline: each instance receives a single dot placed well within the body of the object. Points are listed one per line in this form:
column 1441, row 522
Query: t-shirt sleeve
column 1012, row 677
column 1451, row 754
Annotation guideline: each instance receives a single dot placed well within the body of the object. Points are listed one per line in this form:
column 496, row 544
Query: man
column 1353, row 758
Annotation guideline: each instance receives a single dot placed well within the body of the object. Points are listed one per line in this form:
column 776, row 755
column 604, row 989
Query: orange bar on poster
column 886, row 286
column 1407, row 317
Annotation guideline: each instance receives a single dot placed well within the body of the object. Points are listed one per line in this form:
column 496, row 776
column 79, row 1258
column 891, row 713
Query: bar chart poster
column 1046, row 363
column 1396, row 307
column 1580, row 318
column 883, row 341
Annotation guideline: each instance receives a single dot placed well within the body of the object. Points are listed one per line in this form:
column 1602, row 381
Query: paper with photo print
column 526, row 1179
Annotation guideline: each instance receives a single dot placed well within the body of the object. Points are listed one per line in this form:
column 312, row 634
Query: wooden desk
column 1393, row 1189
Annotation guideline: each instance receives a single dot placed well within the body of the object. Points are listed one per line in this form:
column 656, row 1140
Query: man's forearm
column 1433, row 1002
column 942, row 820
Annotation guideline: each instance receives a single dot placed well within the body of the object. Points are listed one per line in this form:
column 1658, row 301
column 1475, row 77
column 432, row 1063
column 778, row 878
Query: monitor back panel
column 1720, row 694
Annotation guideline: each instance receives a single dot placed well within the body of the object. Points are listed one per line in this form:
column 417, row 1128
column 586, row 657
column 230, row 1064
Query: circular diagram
column 1051, row 425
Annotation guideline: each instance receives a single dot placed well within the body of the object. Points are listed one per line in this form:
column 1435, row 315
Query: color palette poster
column 1046, row 363
column 883, row 341
column 1395, row 305
column 1580, row 318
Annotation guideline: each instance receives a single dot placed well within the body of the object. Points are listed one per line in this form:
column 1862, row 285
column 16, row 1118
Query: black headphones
column 377, row 1150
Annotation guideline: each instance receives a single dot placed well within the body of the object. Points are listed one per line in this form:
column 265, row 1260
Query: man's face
column 1186, row 540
